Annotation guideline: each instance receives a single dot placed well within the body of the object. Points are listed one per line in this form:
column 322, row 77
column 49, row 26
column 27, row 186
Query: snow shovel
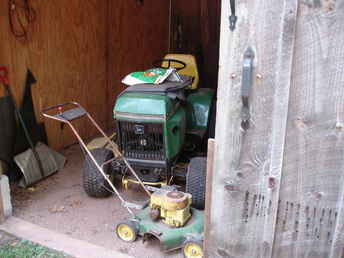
column 27, row 110
column 34, row 161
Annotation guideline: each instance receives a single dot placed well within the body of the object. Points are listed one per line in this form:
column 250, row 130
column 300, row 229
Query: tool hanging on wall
column 27, row 110
column 232, row 17
column 246, row 87
column 39, row 161
column 21, row 15
column 4, row 80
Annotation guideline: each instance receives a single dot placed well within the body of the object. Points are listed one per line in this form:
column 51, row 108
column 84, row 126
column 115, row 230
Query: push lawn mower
column 167, row 215
column 161, row 129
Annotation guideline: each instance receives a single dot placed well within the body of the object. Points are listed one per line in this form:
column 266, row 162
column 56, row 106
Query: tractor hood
column 131, row 103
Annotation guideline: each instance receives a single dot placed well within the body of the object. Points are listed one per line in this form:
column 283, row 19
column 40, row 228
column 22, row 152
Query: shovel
column 52, row 160
column 4, row 80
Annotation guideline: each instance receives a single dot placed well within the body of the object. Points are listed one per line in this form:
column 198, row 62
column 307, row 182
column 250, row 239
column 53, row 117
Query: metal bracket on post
column 232, row 17
column 246, row 87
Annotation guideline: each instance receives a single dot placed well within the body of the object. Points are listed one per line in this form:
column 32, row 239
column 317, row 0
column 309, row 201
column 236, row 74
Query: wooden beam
column 285, row 52
column 210, row 169
column 312, row 180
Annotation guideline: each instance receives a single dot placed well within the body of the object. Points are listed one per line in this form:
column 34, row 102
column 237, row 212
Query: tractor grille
column 141, row 140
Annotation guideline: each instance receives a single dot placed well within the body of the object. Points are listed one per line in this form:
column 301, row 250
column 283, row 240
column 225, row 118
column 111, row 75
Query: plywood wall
column 138, row 35
column 195, row 29
column 210, row 18
column 65, row 50
column 278, row 186
column 80, row 50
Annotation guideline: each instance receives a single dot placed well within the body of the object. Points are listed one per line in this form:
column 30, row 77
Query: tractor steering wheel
column 159, row 63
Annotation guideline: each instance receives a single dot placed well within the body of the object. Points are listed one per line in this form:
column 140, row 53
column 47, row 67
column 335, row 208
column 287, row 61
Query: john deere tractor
column 160, row 131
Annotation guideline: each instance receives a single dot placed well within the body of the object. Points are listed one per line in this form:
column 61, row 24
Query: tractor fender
column 198, row 108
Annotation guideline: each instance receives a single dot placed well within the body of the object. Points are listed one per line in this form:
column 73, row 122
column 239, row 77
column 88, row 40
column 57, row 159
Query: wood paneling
column 138, row 35
column 80, row 50
column 186, row 26
column 210, row 42
column 65, row 50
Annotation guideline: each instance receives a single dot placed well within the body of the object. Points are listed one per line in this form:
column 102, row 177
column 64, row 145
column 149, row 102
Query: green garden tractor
column 161, row 131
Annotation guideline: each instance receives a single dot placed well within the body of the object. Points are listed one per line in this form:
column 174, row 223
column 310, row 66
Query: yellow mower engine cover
column 172, row 206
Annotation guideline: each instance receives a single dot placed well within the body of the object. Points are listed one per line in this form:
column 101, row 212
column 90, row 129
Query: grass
column 27, row 249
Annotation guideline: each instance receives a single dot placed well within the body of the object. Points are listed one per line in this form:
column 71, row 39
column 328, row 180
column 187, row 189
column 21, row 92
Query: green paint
column 198, row 108
column 178, row 117
column 171, row 114
column 143, row 103
column 175, row 133
column 171, row 238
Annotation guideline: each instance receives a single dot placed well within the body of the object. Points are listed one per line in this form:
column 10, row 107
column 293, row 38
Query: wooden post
column 210, row 169
column 2, row 212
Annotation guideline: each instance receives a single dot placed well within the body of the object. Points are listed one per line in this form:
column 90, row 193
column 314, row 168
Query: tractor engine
column 173, row 207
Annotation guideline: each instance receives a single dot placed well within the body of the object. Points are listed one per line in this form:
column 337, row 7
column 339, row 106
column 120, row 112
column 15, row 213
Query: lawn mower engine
column 173, row 207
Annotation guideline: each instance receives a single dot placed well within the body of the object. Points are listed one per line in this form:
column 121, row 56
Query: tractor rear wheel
column 196, row 180
column 95, row 185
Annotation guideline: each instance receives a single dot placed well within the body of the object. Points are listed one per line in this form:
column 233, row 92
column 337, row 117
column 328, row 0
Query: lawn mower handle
column 79, row 111
column 4, row 75
column 45, row 110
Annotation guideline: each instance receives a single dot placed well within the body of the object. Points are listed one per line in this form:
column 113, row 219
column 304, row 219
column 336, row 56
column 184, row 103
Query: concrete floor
column 59, row 203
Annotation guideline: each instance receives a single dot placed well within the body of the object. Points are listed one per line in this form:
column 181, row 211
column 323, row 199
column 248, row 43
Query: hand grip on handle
column 4, row 75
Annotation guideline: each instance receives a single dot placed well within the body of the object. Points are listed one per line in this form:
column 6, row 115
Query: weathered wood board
column 277, row 188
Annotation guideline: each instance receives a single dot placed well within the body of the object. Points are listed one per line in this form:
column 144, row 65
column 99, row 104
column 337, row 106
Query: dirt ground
column 59, row 203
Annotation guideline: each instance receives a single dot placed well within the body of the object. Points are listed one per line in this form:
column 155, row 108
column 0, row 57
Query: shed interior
column 79, row 51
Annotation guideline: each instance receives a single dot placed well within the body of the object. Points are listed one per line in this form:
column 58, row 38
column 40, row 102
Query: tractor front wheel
column 95, row 185
column 196, row 180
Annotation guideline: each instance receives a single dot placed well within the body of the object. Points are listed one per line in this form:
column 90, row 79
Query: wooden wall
column 79, row 50
column 65, row 50
column 278, row 186
column 195, row 29
column 138, row 34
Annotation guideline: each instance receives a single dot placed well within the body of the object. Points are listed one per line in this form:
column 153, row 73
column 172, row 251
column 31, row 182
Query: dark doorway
column 195, row 29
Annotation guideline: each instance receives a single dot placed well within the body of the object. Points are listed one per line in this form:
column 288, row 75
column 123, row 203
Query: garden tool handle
column 4, row 75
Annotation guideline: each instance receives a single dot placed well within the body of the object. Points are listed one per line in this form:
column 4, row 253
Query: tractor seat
column 171, row 89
